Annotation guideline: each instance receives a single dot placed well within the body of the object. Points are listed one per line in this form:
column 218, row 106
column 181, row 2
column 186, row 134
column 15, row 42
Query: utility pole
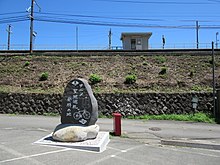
column 197, row 34
column 213, row 79
column 77, row 38
column 216, row 35
column 31, row 26
column 163, row 41
column 110, row 39
column 9, row 35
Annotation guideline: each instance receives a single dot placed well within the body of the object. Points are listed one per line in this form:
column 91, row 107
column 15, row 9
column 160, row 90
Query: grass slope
column 183, row 73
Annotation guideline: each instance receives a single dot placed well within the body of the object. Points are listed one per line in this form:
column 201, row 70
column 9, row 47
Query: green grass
column 14, row 89
column 104, row 117
column 197, row 117
column 51, row 114
column 160, row 59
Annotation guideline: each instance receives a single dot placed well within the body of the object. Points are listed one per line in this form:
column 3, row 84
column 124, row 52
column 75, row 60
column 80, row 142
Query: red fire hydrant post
column 117, row 124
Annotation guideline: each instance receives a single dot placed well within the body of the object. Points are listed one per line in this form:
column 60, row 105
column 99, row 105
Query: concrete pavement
column 142, row 142
column 177, row 133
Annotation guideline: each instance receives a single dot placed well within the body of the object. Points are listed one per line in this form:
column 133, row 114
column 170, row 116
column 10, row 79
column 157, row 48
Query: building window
column 139, row 41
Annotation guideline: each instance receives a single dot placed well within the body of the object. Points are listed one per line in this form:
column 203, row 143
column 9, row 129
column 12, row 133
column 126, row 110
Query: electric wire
column 80, row 20
column 116, row 24
column 160, row 2
column 13, row 19
column 217, row 1
column 107, row 23
column 104, row 17
column 103, row 23
column 19, row 12
column 130, row 18
column 67, row 18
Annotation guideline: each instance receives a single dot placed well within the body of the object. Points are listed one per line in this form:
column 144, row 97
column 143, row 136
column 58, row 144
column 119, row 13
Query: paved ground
column 140, row 143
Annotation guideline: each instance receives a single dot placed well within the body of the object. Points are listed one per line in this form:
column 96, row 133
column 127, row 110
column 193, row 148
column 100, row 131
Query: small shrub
column 94, row 78
column 27, row 63
column 160, row 59
column 44, row 76
column 130, row 79
column 145, row 63
column 163, row 71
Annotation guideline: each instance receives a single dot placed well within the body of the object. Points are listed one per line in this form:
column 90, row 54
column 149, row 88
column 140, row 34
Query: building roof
column 139, row 34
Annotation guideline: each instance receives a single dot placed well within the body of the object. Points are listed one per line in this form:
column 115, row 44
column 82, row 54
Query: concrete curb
column 192, row 143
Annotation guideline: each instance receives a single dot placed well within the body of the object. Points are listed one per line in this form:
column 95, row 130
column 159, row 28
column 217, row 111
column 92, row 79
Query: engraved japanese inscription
column 79, row 105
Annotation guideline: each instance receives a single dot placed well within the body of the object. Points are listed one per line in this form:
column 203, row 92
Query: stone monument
column 79, row 105
column 78, row 129
column 79, row 113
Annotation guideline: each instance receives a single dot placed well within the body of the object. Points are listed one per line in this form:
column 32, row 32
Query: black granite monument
column 79, row 106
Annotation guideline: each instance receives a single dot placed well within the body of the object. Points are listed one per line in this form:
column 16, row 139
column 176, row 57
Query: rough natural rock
column 74, row 133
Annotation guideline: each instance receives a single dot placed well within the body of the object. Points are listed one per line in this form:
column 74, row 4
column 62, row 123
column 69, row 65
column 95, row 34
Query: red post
column 117, row 124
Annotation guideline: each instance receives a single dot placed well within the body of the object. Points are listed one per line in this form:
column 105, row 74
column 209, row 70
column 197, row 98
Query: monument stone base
column 95, row 145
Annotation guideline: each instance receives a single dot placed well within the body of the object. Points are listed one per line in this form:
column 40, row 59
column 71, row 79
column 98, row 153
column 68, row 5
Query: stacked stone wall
column 127, row 104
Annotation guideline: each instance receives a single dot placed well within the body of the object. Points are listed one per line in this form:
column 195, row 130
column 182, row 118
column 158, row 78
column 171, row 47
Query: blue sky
column 56, row 23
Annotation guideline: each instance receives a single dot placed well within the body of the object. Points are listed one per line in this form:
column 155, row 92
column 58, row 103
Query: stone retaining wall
column 126, row 104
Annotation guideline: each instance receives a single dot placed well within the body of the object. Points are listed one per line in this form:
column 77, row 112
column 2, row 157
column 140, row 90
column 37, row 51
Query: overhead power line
column 20, row 12
column 11, row 21
column 104, row 23
column 15, row 17
column 56, row 19
column 119, row 24
column 104, row 17
column 160, row 2
column 100, row 20
column 217, row 1
column 65, row 16
column 6, row 21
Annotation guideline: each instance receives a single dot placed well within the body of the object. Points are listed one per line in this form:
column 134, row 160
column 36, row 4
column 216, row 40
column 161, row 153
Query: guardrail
column 99, row 47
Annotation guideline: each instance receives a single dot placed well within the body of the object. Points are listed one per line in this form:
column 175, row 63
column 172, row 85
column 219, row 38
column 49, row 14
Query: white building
column 135, row 41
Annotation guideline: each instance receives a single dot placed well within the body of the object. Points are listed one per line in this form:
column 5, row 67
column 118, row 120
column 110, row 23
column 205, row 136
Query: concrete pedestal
column 96, row 145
